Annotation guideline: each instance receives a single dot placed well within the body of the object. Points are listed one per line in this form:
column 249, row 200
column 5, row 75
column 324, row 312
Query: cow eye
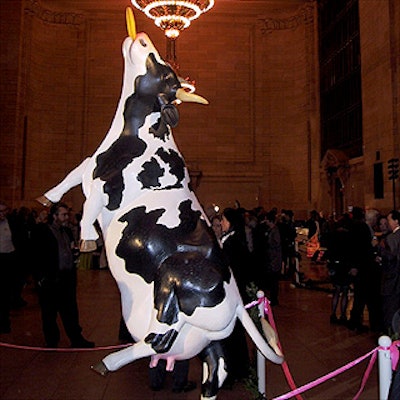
column 143, row 43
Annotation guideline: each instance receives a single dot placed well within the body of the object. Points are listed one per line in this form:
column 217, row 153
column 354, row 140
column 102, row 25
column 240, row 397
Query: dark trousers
column 7, row 265
column 59, row 296
column 179, row 375
column 366, row 293
column 272, row 285
column 236, row 354
column 395, row 386
column 390, row 304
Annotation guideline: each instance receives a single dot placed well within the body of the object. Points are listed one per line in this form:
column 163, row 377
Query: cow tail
column 257, row 338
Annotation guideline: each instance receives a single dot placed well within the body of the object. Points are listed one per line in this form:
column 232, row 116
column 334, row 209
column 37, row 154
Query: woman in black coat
column 235, row 249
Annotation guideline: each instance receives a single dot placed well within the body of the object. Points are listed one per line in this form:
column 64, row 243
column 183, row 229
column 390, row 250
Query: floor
column 312, row 347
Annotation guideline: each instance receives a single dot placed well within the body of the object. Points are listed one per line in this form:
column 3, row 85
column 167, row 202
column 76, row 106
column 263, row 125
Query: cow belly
column 217, row 318
column 137, row 309
column 190, row 342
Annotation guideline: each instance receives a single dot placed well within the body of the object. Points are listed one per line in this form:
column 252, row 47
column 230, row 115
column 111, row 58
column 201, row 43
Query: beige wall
column 380, row 44
column 255, row 61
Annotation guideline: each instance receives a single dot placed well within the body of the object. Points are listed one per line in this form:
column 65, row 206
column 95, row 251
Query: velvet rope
column 394, row 353
column 324, row 378
column 62, row 349
column 285, row 366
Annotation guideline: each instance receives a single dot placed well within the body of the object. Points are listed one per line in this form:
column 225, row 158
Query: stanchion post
column 260, row 357
column 385, row 367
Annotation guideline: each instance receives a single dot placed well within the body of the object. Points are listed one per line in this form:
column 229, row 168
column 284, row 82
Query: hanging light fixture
column 173, row 16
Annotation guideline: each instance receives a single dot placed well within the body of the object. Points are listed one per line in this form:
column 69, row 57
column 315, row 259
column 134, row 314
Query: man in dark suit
column 55, row 275
column 8, row 260
column 14, row 246
column 390, row 255
column 361, row 261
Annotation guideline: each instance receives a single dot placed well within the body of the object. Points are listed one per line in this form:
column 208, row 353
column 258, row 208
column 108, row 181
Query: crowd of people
column 264, row 247
column 362, row 254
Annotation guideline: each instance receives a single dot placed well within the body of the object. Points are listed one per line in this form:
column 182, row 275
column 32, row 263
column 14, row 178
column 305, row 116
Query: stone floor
column 312, row 347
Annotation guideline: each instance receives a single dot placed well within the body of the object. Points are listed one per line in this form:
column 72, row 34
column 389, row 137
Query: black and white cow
column 179, row 297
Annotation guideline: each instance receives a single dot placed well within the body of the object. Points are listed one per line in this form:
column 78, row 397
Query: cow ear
column 170, row 115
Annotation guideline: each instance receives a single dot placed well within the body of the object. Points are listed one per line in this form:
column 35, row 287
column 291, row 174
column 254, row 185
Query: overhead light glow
column 173, row 16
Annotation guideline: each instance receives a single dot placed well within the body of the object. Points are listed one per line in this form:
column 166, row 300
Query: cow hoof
column 100, row 368
column 87, row 246
column 44, row 201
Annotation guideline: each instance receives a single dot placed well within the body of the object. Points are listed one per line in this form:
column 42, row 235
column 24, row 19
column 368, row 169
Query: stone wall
column 255, row 61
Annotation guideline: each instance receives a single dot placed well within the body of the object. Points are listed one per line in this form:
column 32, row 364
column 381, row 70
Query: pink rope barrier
column 62, row 349
column 285, row 366
column 295, row 392
column 324, row 378
column 394, row 354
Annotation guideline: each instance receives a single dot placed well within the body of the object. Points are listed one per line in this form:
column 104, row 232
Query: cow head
column 142, row 59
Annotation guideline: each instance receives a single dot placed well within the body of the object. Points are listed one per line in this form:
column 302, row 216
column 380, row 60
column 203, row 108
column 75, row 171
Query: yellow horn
column 130, row 23
column 184, row 96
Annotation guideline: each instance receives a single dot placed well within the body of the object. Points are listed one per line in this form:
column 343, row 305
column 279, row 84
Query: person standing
column 236, row 253
column 56, row 278
column 339, row 265
column 313, row 225
column 8, row 262
column 390, row 261
column 269, row 255
column 361, row 259
column 288, row 235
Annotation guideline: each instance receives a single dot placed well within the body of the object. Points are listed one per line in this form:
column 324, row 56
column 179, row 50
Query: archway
column 335, row 164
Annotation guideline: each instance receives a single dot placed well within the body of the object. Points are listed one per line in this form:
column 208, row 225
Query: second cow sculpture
column 179, row 297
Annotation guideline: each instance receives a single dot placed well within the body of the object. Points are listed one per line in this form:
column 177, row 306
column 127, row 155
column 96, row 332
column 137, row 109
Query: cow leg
column 167, row 324
column 118, row 359
column 92, row 208
column 214, row 370
column 73, row 179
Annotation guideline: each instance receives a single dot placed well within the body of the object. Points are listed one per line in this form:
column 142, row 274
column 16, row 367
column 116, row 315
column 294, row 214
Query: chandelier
column 173, row 16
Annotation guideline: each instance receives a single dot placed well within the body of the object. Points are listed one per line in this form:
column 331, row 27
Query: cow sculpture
column 179, row 297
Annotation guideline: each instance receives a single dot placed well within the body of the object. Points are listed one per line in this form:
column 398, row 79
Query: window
column 340, row 76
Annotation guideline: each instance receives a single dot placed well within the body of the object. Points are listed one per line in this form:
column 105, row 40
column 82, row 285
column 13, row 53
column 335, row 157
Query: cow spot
column 150, row 174
column 152, row 171
column 160, row 129
column 184, row 282
column 176, row 165
column 161, row 343
column 185, row 262
column 146, row 244
column 111, row 163
column 153, row 91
